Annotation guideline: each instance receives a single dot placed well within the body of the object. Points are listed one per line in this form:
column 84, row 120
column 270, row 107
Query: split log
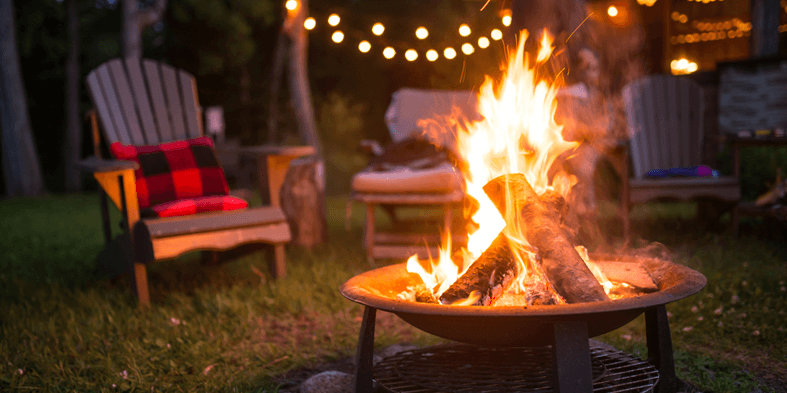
column 561, row 263
column 490, row 275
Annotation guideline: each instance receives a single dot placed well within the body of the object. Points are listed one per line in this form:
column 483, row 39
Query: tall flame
column 518, row 134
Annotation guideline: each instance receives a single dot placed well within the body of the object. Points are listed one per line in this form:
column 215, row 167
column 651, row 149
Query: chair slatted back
column 144, row 102
column 409, row 106
column 665, row 122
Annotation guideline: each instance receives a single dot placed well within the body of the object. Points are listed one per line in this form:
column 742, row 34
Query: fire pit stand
column 558, row 332
column 571, row 353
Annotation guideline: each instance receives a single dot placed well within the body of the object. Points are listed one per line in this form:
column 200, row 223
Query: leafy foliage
column 218, row 33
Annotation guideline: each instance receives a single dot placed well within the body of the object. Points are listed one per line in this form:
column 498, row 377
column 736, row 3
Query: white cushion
column 443, row 178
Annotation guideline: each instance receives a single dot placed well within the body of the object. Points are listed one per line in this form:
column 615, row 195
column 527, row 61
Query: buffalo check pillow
column 178, row 178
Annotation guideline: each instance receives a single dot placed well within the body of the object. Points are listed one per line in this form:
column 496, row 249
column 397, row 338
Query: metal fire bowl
column 519, row 326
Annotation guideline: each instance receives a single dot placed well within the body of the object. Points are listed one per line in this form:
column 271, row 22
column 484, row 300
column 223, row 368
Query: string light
column 683, row 66
column 421, row 33
column 612, row 11
column 506, row 20
column 309, row 23
column 464, row 30
column 648, row 3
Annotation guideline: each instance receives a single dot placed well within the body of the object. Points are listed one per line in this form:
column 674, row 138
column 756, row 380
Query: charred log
column 561, row 263
column 490, row 275
column 423, row 295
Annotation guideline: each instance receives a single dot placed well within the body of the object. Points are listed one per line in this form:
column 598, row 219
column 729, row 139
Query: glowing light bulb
column 389, row 52
column 496, row 35
column 683, row 63
column 421, row 33
column 337, row 36
column 364, row 46
column 411, row 55
column 467, row 49
column 483, row 42
column 334, row 20
column 612, row 11
column 464, row 30
column 507, row 20
column 692, row 67
column 431, row 55
column 449, row 53
column 309, row 23
column 378, row 29
column 291, row 5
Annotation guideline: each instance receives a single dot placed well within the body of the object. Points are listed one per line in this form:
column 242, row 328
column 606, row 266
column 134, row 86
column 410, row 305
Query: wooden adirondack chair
column 665, row 126
column 440, row 187
column 147, row 103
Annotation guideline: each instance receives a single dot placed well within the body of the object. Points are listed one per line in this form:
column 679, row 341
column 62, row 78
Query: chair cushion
column 443, row 178
column 174, row 170
column 185, row 207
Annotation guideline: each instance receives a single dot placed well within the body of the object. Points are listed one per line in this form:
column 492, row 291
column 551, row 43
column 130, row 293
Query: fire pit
column 522, row 281
column 566, row 328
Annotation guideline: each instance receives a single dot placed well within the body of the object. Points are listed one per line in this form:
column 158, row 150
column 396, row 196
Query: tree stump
column 303, row 202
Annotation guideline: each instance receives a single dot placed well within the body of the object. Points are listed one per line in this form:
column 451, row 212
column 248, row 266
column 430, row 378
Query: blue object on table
column 695, row 171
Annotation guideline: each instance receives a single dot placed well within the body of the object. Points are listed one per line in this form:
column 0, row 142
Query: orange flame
column 518, row 134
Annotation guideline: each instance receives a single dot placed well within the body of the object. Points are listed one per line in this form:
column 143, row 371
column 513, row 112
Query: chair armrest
column 371, row 147
column 94, row 164
column 272, row 164
column 270, row 150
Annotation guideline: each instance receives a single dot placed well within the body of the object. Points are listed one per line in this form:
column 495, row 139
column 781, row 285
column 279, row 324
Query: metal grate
column 466, row 368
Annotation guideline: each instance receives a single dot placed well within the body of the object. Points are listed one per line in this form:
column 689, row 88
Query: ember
column 520, row 253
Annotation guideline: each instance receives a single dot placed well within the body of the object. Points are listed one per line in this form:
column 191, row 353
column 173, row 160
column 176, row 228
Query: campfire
column 520, row 252
column 518, row 265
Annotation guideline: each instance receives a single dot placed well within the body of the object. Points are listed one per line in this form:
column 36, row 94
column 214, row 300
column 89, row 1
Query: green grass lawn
column 229, row 327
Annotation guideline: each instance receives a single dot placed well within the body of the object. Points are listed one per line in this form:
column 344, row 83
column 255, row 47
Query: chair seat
column 685, row 188
column 164, row 238
column 441, row 179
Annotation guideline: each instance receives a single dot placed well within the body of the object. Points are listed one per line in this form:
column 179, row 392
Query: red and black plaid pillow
column 174, row 171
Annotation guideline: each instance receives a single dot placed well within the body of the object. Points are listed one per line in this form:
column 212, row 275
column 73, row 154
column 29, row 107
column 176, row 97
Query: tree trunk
column 73, row 142
column 299, row 82
column 765, row 28
column 300, row 93
column 244, row 85
column 279, row 59
column 21, row 169
column 135, row 21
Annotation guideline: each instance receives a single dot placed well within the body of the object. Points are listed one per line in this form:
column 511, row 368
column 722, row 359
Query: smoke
column 598, row 55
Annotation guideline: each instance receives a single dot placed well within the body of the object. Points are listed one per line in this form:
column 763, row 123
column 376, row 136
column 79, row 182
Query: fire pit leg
column 364, row 357
column 571, row 357
column 660, row 348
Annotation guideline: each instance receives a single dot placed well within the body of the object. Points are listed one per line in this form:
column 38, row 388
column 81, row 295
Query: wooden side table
column 748, row 208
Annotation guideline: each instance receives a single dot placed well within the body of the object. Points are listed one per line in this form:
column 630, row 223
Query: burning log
column 490, row 275
column 561, row 263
